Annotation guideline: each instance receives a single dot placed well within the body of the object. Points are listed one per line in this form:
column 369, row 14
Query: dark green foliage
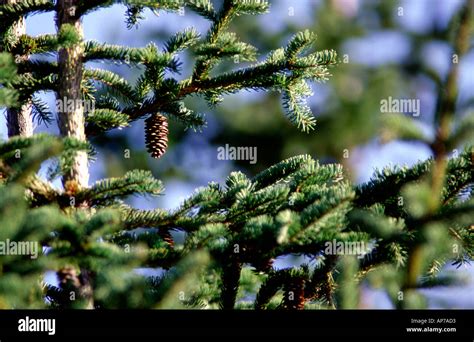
column 8, row 75
column 216, row 250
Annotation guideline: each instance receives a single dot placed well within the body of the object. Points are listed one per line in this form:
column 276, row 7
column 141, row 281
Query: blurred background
column 386, row 48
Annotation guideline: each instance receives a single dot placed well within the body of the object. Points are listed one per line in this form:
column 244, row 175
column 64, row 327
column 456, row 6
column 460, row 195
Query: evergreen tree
column 409, row 221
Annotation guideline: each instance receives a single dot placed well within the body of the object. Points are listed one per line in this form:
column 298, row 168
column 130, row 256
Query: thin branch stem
column 444, row 117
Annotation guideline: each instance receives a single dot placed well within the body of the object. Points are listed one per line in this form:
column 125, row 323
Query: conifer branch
column 267, row 290
column 12, row 11
column 133, row 182
column 19, row 120
column 443, row 120
column 230, row 283
column 268, row 75
column 227, row 236
column 447, row 102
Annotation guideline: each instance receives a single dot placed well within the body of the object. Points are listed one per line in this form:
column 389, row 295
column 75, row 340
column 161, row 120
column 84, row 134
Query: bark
column 71, row 118
column 71, row 122
column 19, row 120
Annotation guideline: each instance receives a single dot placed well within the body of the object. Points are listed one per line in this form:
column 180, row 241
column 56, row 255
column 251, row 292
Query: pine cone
column 156, row 135
column 71, row 187
column 294, row 298
column 71, row 281
column 68, row 277
column 166, row 236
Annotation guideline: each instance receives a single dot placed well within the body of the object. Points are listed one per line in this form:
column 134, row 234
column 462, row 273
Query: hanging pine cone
column 166, row 236
column 294, row 297
column 68, row 277
column 156, row 135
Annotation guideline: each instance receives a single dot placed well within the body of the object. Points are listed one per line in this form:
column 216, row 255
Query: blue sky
column 108, row 26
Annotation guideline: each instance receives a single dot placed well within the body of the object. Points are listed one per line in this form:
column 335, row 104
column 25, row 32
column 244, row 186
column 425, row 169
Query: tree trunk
column 71, row 118
column 19, row 120
column 71, row 122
